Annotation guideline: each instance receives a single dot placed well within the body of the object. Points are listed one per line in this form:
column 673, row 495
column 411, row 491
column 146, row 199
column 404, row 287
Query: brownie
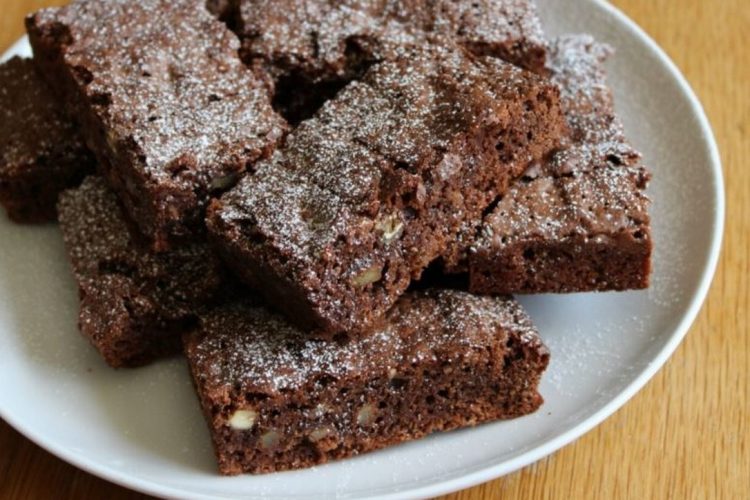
column 135, row 304
column 326, row 39
column 580, row 221
column 313, row 48
column 364, row 195
column 41, row 152
column 163, row 100
column 275, row 399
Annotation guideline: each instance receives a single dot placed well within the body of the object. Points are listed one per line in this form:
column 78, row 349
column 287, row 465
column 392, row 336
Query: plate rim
column 486, row 473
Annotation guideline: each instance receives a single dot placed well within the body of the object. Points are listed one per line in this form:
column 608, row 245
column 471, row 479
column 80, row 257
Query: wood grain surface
column 687, row 434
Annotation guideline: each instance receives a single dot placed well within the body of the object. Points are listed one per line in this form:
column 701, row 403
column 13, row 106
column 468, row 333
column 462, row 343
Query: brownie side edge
column 307, row 411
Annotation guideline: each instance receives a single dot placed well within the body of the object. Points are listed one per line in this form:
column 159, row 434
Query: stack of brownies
column 263, row 184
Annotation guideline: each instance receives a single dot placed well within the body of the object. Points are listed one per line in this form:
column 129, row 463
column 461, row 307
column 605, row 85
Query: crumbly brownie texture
column 164, row 101
column 329, row 39
column 135, row 304
column 41, row 153
column 579, row 222
column 364, row 195
column 275, row 399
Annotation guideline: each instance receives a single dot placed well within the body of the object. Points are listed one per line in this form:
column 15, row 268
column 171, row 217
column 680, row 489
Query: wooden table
column 687, row 434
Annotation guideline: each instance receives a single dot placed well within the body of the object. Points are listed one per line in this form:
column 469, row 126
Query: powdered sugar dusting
column 167, row 85
column 31, row 125
column 247, row 347
column 594, row 187
column 326, row 39
column 105, row 256
column 397, row 149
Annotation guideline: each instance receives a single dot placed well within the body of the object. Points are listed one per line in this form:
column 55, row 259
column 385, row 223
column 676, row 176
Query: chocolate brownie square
column 367, row 193
column 135, row 304
column 274, row 399
column 328, row 39
column 172, row 114
column 579, row 222
column 41, row 152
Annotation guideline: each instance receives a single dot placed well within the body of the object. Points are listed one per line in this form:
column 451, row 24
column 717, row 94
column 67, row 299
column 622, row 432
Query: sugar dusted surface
column 595, row 186
column 145, row 412
column 101, row 249
column 248, row 347
column 329, row 173
column 175, row 91
column 315, row 36
column 31, row 126
column 299, row 232
column 396, row 148
column 436, row 94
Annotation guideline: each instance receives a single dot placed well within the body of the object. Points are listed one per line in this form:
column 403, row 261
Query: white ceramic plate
column 143, row 429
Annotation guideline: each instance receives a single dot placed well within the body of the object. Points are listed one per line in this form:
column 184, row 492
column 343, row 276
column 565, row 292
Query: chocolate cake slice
column 135, row 304
column 163, row 100
column 579, row 222
column 41, row 152
column 275, row 399
column 367, row 193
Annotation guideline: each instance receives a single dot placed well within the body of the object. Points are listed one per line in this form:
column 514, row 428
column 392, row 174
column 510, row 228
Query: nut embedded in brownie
column 579, row 222
column 163, row 101
column 135, row 304
column 274, row 399
column 367, row 193
column 41, row 152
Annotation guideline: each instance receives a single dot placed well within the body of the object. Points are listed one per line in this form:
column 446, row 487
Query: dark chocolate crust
column 275, row 399
column 367, row 193
column 135, row 304
column 41, row 152
column 579, row 222
column 163, row 100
